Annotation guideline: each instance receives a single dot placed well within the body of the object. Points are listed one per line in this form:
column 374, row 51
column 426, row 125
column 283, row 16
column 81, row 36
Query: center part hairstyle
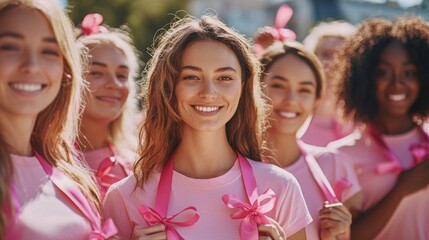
column 120, row 132
column 160, row 131
column 359, row 58
column 56, row 126
column 281, row 49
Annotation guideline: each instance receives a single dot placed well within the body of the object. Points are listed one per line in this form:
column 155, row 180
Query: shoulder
column 352, row 140
column 270, row 175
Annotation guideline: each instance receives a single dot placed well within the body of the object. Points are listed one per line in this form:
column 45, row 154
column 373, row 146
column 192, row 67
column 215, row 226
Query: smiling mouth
column 108, row 99
column 206, row 109
column 290, row 115
column 397, row 97
column 27, row 87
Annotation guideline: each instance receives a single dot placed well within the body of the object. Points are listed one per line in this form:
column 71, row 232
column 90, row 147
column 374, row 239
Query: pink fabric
column 108, row 169
column 320, row 132
column 122, row 202
column 411, row 218
column 336, row 168
column 46, row 213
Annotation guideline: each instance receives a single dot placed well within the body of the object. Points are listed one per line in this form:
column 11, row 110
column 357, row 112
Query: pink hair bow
column 152, row 217
column 283, row 16
column 107, row 230
column 252, row 214
column 276, row 32
column 91, row 24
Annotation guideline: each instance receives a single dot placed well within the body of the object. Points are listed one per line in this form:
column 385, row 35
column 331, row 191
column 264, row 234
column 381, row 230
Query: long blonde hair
column 120, row 131
column 55, row 129
column 160, row 131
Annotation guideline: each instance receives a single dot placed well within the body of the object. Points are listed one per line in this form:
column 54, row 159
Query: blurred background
column 146, row 17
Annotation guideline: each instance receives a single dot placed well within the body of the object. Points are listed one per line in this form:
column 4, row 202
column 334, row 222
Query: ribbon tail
column 284, row 14
column 339, row 188
column 386, row 167
column 249, row 229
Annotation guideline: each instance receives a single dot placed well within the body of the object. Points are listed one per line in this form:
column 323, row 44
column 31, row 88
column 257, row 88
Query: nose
column 208, row 89
column 30, row 63
column 289, row 96
column 113, row 82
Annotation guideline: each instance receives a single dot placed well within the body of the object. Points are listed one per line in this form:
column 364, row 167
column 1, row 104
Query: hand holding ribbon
column 252, row 214
column 152, row 217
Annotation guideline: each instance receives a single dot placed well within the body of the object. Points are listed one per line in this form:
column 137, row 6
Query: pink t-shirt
column 321, row 131
column 122, row 203
column 411, row 218
column 94, row 158
column 46, row 213
column 335, row 168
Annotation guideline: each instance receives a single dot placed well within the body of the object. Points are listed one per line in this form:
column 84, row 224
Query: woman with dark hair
column 293, row 82
column 384, row 81
column 204, row 118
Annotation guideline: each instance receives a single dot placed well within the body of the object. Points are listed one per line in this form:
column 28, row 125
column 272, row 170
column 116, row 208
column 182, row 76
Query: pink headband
column 91, row 24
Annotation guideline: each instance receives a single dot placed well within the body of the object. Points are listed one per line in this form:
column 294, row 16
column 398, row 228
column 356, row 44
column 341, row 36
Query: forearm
column 369, row 223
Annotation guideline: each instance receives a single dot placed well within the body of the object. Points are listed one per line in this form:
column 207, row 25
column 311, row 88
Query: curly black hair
column 357, row 62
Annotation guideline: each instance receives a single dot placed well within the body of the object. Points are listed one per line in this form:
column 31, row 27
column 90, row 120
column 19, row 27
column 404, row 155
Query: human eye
column 410, row 73
column 190, row 77
column 122, row 77
column 95, row 74
column 8, row 47
column 225, row 78
column 381, row 72
column 51, row 52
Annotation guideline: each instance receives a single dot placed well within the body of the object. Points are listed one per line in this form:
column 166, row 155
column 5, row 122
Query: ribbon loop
column 91, row 24
column 106, row 231
column 420, row 151
column 252, row 214
column 152, row 217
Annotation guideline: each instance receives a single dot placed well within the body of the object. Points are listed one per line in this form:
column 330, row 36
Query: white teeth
column 206, row 109
column 397, row 97
column 289, row 114
column 27, row 87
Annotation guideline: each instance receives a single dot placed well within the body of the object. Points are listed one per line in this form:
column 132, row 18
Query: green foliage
column 143, row 17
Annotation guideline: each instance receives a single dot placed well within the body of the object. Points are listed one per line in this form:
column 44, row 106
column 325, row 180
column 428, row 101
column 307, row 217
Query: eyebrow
column 105, row 65
column 408, row 62
column 20, row 36
column 222, row 69
column 308, row 82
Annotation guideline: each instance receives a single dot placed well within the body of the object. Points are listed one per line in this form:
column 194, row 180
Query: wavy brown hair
column 56, row 126
column 160, row 130
column 359, row 57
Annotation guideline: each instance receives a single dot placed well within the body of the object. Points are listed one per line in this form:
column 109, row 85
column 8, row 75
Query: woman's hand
column 272, row 231
column 335, row 222
column 156, row 232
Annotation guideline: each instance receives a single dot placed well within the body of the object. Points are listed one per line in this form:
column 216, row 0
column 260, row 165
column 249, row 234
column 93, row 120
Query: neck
column 393, row 125
column 93, row 135
column 17, row 133
column 279, row 154
column 204, row 154
column 326, row 109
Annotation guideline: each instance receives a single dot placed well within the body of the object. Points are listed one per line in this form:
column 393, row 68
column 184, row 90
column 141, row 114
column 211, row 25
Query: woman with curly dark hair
column 384, row 81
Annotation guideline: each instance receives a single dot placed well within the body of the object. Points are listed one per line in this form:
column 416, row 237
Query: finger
column 270, row 230
column 143, row 231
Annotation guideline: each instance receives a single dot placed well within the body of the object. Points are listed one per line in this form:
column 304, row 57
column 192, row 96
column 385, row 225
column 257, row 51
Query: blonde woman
column 108, row 136
column 45, row 192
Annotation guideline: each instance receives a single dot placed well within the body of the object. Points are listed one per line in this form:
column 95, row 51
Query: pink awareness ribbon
column 104, row 177
column 419, row 151
column 91, row 24
column 283, row 16
column 69, row 188
column 252, row 211
column 332, row 195
column 157, row 216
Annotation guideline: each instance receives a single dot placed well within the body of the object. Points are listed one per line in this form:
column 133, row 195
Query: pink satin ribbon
column 393, row 165
column 11, row 211
column 252, row 210
column 91, row 24
column 87, row 208
column 158, row 215
column 104, row 177
column 330, row 194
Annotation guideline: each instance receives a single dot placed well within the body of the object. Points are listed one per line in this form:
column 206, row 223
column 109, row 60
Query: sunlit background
column 146, row 17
